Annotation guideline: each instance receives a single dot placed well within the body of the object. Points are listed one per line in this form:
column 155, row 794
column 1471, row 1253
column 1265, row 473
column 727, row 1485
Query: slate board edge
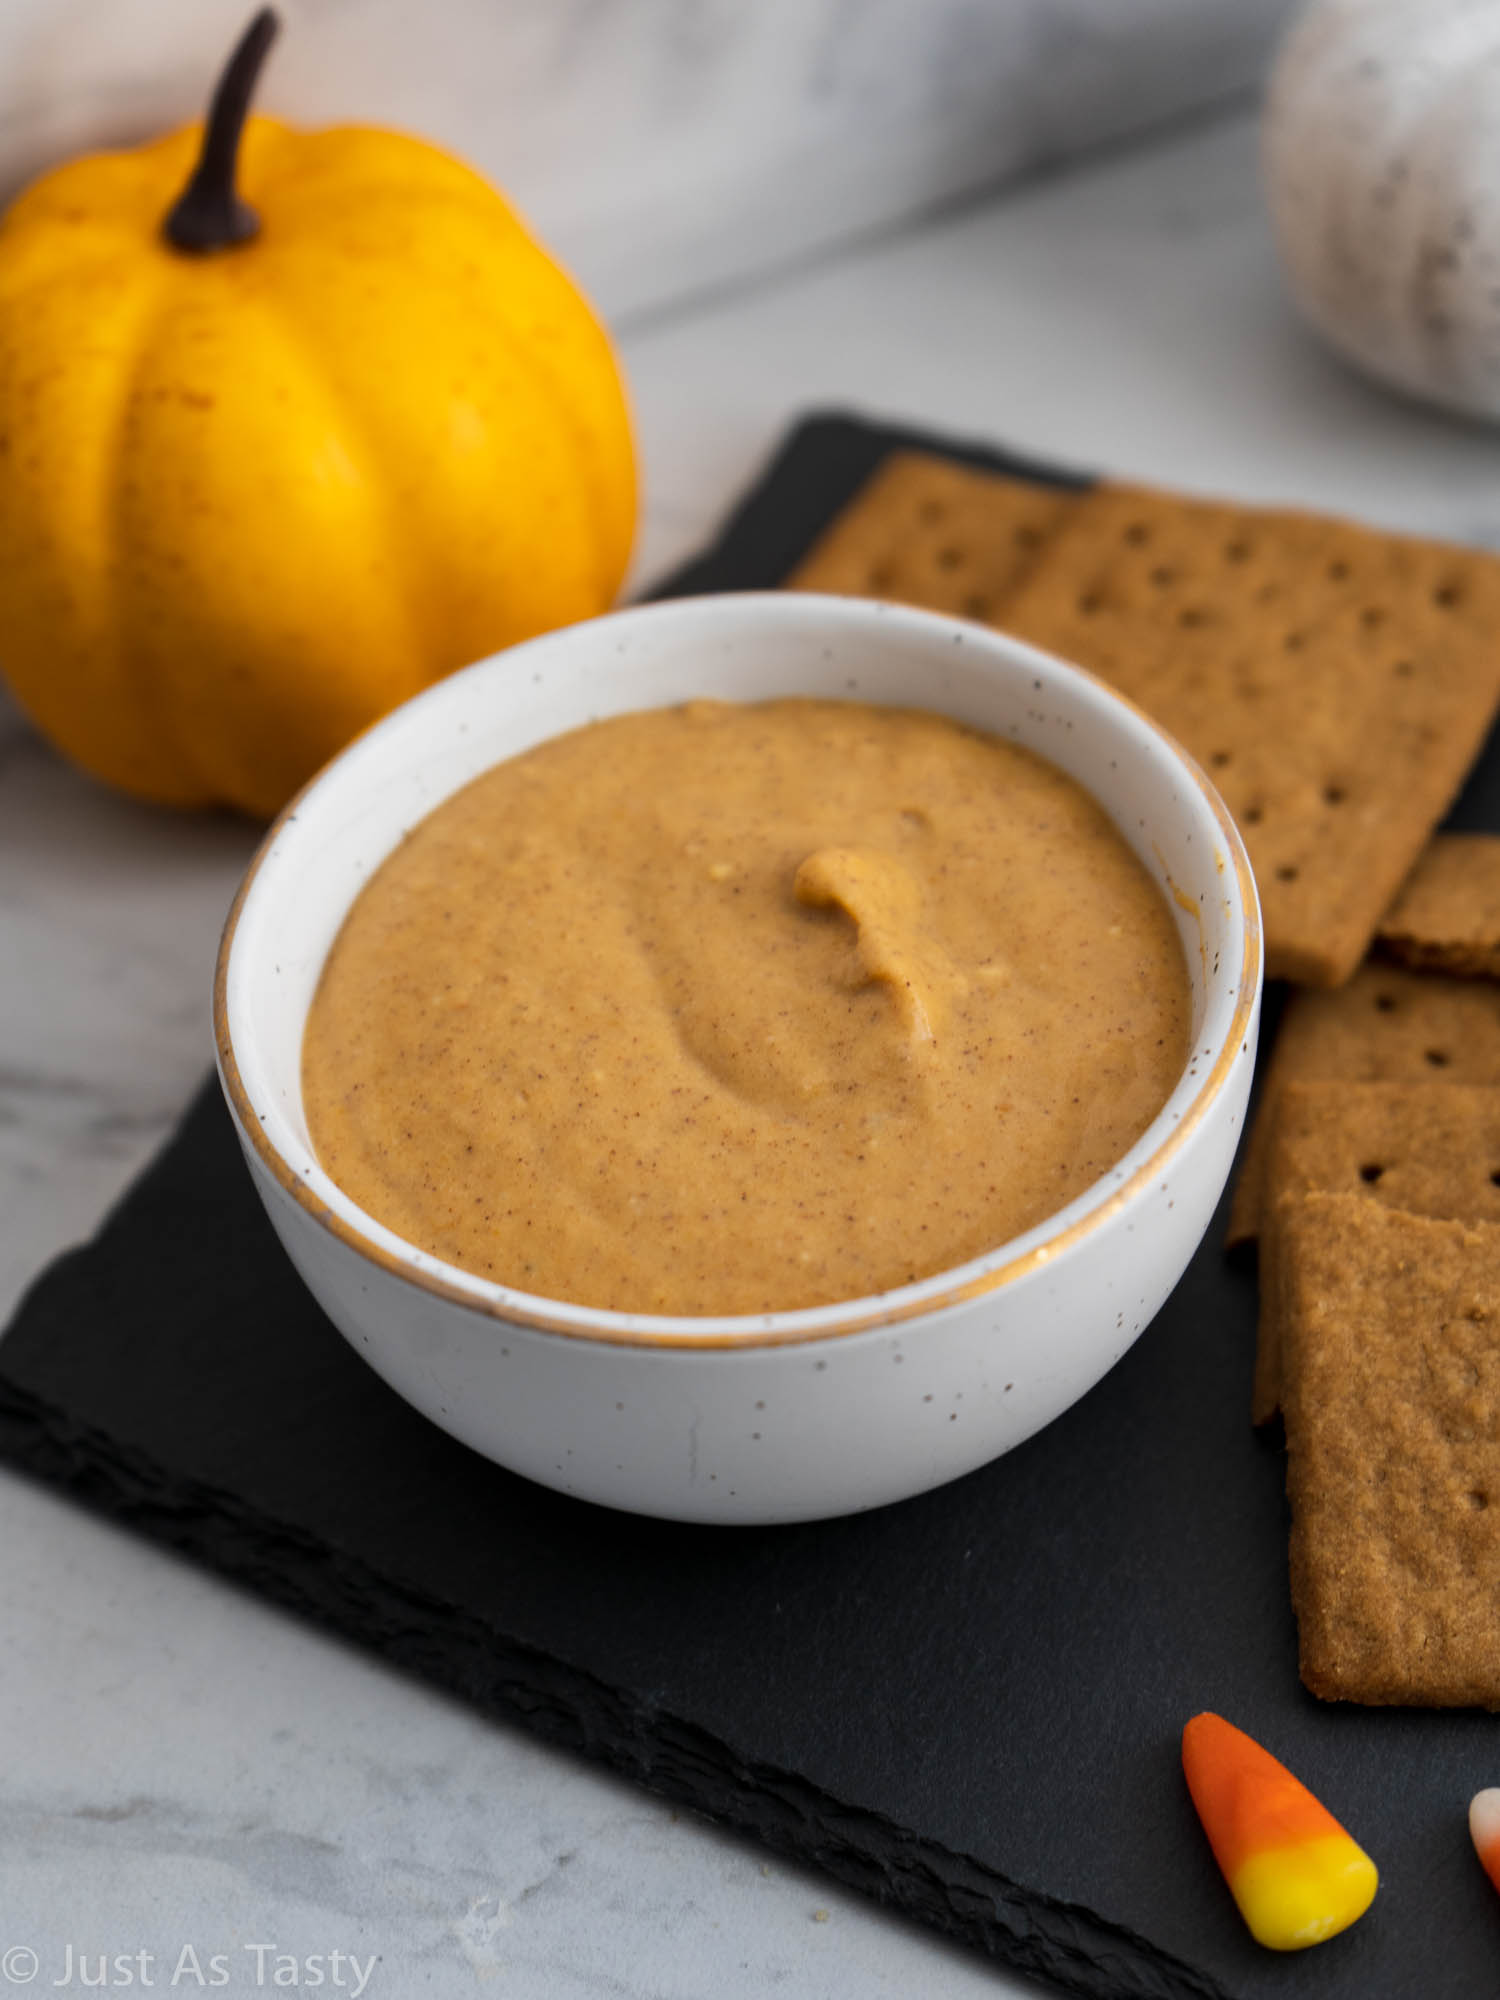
column 1035, row 1934
column 815, row 471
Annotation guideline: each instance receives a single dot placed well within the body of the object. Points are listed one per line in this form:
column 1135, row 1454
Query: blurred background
column 662, row 146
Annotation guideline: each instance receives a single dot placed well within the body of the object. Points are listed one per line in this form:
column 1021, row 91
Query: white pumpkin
column 1382, row 163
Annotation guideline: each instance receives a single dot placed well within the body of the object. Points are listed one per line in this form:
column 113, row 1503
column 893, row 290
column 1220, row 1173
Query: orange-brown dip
column 726, row 1009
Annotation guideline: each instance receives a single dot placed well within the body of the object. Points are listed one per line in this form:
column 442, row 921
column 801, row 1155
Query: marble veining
column 663, row 146
column 186, row 1767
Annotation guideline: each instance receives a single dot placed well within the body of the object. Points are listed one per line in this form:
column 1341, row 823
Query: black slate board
column 968, row 1705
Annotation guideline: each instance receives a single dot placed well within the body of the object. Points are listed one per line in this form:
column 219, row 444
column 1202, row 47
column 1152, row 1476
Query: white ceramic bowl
column 794, row 1415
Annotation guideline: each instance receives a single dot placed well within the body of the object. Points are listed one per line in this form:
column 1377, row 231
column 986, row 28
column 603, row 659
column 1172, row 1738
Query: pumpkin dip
column 735, row 1009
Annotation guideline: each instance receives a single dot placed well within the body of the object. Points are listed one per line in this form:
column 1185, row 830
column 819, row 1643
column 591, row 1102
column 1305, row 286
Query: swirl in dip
column 738, row 1009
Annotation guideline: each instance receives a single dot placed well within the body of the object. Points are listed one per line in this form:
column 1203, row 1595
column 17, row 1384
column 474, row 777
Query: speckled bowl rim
column 736, row 1332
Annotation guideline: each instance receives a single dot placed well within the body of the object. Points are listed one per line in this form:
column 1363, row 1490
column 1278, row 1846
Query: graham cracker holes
column 1239, row 629
column 1371, row 1173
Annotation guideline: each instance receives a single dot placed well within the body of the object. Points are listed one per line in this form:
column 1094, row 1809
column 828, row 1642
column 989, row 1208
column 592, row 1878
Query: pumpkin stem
column 208, row 214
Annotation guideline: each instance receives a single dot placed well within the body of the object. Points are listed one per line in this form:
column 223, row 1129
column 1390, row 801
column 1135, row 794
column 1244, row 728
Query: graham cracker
column 1392, row 1396
column 1388, row 1025
column 1428, row 1148
column 925, row 531
column 1335, row 682
column 1447, row 916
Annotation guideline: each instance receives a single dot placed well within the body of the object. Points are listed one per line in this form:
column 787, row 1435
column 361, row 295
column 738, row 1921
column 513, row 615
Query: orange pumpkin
column 274, row 465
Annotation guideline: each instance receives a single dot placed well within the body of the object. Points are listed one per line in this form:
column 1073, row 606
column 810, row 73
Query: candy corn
column 1297, row 1876
column 1484, row 1825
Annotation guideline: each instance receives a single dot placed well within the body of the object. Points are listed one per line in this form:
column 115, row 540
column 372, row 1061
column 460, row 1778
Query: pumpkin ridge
column 512, row 353
column 110, row 724
column 391, row 532
column 229, row 755
column 314, row 207
column 105, row 228
column 614, row 489
column 133, row 668
column 610, row 461
column 611, row 550
column 19, row 287
column 588, row 451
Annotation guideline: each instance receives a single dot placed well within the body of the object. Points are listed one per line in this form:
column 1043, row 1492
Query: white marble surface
column 661, row 146
column 185, row 1765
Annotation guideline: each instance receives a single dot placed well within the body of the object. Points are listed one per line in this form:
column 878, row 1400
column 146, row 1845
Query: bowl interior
column 747, row 648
